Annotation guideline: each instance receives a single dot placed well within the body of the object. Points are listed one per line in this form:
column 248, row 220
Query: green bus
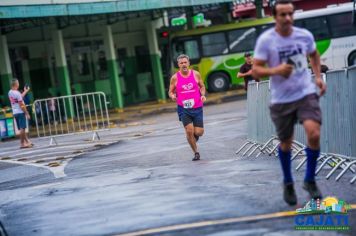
column 217, row 52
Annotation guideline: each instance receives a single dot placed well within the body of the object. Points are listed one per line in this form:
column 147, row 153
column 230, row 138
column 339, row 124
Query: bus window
column 214, row 44
column 189, row 47
column 299, row 23
column 341, row 25
column 318, row 26
column 242, row 39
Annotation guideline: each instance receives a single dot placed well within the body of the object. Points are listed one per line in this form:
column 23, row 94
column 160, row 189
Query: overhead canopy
column 47, row 8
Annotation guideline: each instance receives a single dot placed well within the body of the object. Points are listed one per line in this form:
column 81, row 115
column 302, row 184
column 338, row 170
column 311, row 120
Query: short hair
column 274, row 7
column 181, row 56
column 13, row 82
column 247, row 54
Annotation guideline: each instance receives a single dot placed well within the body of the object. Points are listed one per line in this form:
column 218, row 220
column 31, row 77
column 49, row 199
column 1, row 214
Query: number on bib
column 188, row 103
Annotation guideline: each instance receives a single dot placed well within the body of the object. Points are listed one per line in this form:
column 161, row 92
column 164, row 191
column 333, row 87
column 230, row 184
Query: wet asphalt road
column 142, row 177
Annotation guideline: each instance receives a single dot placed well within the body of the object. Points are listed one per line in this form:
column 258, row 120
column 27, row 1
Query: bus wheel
column 352, row 59
column 218, row 82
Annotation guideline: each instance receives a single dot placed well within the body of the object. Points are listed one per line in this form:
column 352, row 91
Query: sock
column 284, row 158
column 312, row 156
column 196, row 137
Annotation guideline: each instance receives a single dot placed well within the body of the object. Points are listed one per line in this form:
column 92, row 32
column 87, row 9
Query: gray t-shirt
column 15, row 98
column 275, row 50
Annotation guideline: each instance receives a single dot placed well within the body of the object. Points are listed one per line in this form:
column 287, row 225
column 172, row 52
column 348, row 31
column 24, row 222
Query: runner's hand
column 322, row 86
column 28, row 116
column 173, row 97
column 203, row 98
column 284, row 70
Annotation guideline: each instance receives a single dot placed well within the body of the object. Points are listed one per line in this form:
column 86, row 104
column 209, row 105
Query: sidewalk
column 135, row 112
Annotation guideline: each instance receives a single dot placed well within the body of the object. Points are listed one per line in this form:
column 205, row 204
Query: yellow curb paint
column 162, row 101
column 118, row 110
column 216, row 222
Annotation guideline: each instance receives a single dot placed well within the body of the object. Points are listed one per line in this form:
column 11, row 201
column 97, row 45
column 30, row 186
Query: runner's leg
column 309, row 113
column 189, row 130
column 312, row 129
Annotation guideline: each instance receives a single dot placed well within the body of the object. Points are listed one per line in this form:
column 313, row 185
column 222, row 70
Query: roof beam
column 89, row 8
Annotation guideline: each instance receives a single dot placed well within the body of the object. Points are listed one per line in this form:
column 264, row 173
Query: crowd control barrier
column 72, row 114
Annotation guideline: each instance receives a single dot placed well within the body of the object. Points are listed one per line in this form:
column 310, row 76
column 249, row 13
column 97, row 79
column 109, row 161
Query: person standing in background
column 20, row 112
column 246, row 70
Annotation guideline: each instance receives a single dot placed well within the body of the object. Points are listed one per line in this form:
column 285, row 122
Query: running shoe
column 196, row 157
column 289, row 194
column 312, row 189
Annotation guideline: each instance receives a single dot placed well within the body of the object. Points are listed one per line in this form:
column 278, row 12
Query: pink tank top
column 188, row 91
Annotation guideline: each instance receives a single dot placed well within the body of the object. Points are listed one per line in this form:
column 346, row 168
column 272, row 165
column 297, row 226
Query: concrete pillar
column 62, row 70
column 113, row 69
column 155, row 61
column 61, row 63
column 5, row 69
column 189, row 14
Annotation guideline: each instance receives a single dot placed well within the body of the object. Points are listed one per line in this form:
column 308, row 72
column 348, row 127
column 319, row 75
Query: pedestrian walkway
column 55, row 158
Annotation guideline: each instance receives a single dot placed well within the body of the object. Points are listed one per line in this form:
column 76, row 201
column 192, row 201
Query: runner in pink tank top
column 188, row 90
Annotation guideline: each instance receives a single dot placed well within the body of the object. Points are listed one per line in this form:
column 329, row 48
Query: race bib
column 188, row 103
column 300, row 63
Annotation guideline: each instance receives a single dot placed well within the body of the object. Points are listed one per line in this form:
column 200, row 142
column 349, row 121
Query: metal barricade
column 252, row 119
column 324, row 128
column 72, row 114
column 252, row 110
column 351, row 75
column 264, row 122
column 260, row 126
column 338, row 113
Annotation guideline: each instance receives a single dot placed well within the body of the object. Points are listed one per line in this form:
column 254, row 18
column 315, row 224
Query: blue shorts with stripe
column 191, row 115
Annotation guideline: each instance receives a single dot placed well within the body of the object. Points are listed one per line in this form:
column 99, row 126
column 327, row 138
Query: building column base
column 5, row 80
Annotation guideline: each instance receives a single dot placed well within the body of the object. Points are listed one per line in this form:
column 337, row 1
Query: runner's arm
column 200, row 83
column 172, row 87
column 260, row 70
column 315, row 64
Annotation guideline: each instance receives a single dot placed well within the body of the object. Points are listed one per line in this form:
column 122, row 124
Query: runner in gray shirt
column 284, row 49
